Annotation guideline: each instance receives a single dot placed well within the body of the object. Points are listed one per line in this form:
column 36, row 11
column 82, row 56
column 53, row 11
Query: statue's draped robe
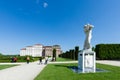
column 88, row 32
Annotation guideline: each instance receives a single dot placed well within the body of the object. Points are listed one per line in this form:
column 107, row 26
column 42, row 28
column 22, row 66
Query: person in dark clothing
column 46, row 60
column 40, row 59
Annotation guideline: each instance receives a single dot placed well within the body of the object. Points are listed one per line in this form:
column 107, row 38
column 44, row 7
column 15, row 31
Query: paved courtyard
column 109, row 62
column 22, row 72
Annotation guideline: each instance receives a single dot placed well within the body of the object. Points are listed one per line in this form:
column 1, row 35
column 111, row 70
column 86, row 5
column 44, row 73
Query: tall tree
column 73, row 54
column 54, row 54
column 70, row 53
column 76, row 52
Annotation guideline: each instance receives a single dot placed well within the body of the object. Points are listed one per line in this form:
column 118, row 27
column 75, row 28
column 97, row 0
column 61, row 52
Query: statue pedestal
column 86, row 61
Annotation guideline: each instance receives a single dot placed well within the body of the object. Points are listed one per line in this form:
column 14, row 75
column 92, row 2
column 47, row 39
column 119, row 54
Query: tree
column 54, row 54
column 73, row 54
column 76, row 52
column 70, row 53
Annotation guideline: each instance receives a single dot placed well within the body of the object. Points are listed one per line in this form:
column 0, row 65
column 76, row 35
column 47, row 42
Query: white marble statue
column 88, row 32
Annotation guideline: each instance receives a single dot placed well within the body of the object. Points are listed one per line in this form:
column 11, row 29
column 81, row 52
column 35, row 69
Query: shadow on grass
column 67, row 66
column 76, row 70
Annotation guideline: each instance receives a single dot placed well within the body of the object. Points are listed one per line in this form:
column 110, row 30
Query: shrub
column 108, row 51
column 8, row 58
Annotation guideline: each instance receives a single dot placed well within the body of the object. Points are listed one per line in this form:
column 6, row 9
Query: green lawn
column 63, row 59
column 61, row 72
column 6, row 66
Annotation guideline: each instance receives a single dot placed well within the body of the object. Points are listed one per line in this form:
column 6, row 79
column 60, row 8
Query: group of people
column 40, row 60
column 14, row 59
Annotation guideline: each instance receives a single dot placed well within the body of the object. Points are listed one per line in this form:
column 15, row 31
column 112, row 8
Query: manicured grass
column 63, row 59
column 6, row 66
column 62, row 72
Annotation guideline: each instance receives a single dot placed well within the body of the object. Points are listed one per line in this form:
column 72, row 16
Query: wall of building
column 38, row 50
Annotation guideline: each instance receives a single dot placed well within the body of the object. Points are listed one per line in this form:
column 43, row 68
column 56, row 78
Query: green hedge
column 71, row 54
column 108, row 51
column 8, row 58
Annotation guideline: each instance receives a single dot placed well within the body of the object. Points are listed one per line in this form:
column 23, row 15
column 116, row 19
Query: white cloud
column 45, row 4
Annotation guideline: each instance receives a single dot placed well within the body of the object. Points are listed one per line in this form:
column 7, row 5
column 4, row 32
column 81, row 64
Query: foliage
column 76, row 52
column 8, row 58
column 0, row 54
column 23, row 58
column 4, row 58
column 54, row 54
column 62, row 72
column 108, row 51
column 71, row 54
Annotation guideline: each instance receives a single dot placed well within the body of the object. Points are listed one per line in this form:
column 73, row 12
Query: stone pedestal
column 86, row 61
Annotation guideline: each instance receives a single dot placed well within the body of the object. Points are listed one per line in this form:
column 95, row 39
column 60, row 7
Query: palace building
column 38, row 50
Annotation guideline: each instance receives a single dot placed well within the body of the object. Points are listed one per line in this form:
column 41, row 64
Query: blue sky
column 48, row 22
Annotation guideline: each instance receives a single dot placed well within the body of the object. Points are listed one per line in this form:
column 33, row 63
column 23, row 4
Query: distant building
column 48, row 50
column 35, row 50
column 38, row 50
column 23, row 52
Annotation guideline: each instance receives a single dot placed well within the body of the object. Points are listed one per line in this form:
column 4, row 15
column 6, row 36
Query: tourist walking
column 46, row 60
column 15, row 59
column 40, row 60
column 28, row 59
